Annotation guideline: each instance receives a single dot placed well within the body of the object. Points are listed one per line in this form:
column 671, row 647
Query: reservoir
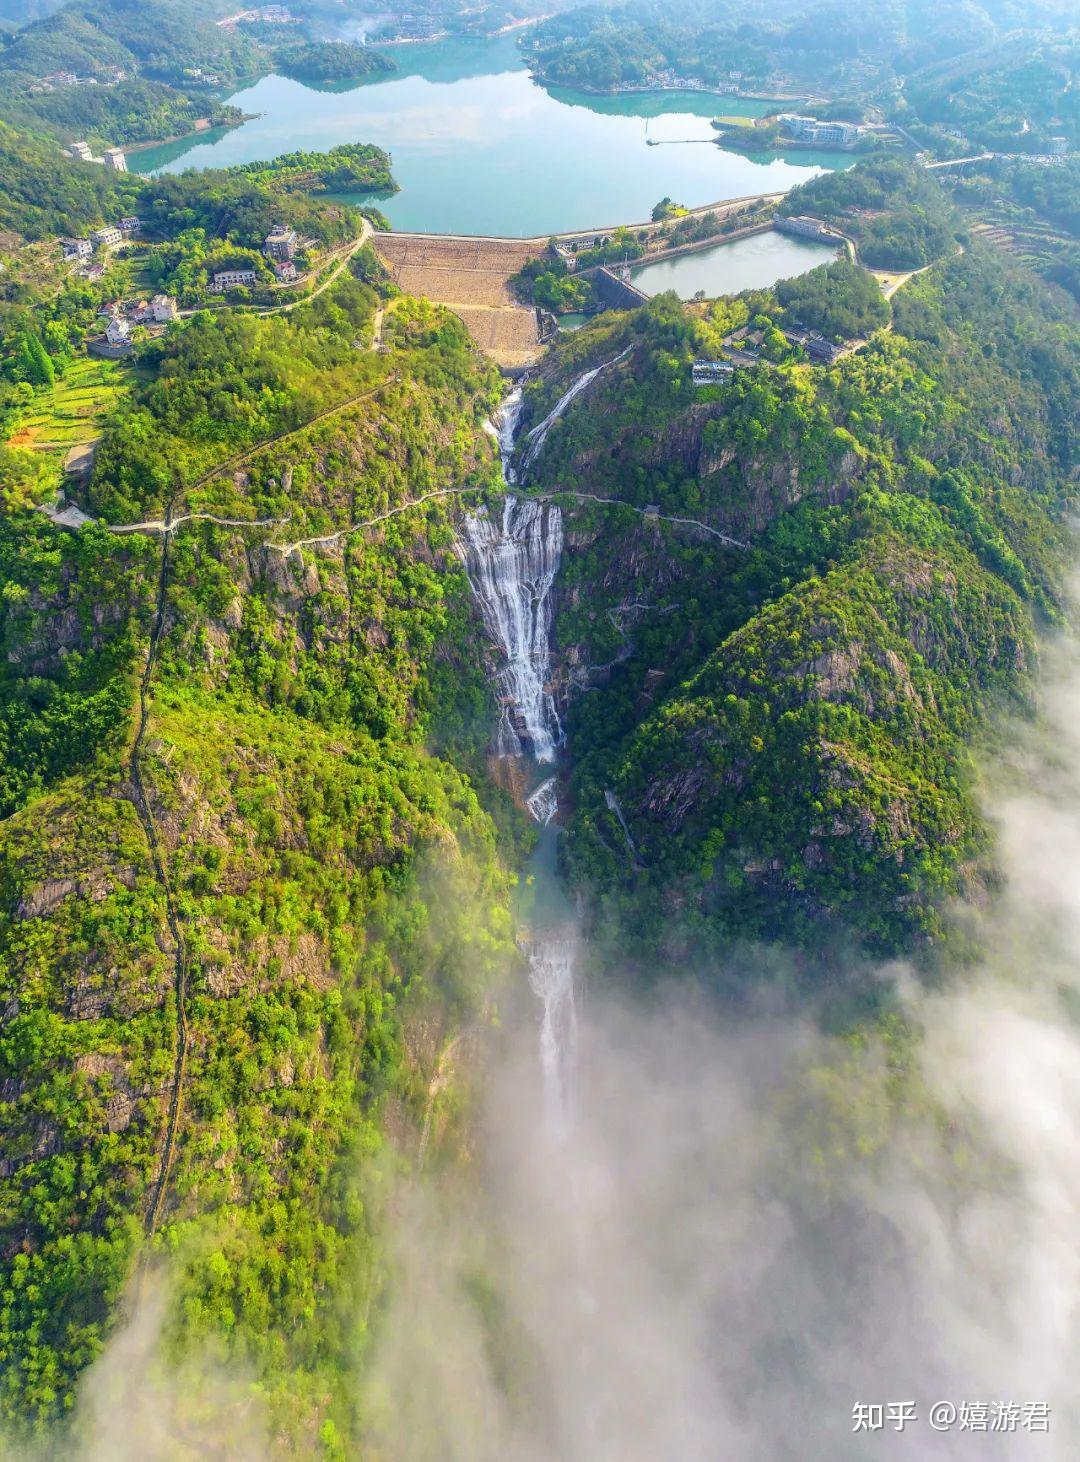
column 479, row 147
column 751, row 263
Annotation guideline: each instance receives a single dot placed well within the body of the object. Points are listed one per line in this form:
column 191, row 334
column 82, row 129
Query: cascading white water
column 511, row 566
column 538, row 434
column 543, row 804
column 551, row 979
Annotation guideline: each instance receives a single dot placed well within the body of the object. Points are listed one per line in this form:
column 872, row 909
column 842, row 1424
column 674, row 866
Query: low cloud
column 749, row 1227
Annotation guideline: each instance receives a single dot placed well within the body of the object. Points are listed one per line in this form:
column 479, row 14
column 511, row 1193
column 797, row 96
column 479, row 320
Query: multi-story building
column 228, row 278
column 76, row 248
column 118, row 331
column 115, row 159
column 280, row 242
column 130, row 224
column 82, row 151
column 821, row 134
column 285, row 271
column 107, row 237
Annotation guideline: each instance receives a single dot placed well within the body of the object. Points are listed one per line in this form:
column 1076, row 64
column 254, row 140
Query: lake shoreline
column 479, row 149
column 196, row 131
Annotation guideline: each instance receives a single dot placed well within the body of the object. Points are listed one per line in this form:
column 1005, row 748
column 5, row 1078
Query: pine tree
column 33, row 362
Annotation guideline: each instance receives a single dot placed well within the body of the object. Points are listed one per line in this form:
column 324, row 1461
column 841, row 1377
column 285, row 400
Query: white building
column 227, row 278
column 76, row 248
column 808, row 228
column 118, row 332
column 82, row 151
column 280, row 242
column 115, row 159
column 823, row 134
column 131, row 224
column 285, row 271
column 163, row 308
column 107, row 237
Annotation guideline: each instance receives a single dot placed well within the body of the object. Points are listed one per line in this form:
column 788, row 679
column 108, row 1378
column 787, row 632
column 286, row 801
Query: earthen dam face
column 471, row 277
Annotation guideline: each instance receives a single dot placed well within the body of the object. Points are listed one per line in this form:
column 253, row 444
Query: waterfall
column 511, row 567
column 551, row 979
column 504, row 429
column 544, row 802
column 539, row 432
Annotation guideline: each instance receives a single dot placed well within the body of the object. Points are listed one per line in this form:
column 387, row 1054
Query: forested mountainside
column 255, row 875
column 241, row 924
column 123, row 71
column 1002, row 76
column 776, row 740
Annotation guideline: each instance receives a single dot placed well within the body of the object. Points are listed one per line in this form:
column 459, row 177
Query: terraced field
column 68, row 415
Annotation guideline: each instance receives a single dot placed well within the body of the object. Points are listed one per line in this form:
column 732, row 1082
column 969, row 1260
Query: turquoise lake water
column 478, row 147
column 752, row 263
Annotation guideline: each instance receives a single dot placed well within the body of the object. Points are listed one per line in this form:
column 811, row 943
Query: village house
column 118, row 331
column 131, row 224
column 711, row 372
column 229, row 278
column 114, row 158
column 280, row 242
column 285, row 271
column 82, row 151
column 107, row 237
column 76, row 248
column 163, row 308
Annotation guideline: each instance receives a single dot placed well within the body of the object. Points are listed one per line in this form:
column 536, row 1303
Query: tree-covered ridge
column 1012, row 97
column 160, row 38
column 787, row 729
column 329, row 63
column 135, row 110
column 897, row 215
column 928, row 66
column 838, row 43
column 356, row 167
column 328, row 879
column 158, row 68
column 43, row 193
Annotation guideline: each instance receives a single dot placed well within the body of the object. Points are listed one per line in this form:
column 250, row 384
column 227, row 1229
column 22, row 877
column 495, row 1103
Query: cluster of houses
column 279, row 246
column 112, row 157
column 267, row 14
column 743, row 348
column 814, row 133
column 57, row 79
column 121, row 320
column 100, row 241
